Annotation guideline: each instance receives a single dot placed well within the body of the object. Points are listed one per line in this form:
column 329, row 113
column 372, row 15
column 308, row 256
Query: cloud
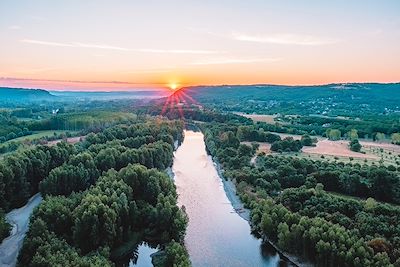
column 150, row 71
column 287, row 39
column 74, row 44
column 110, row 47
column 178, row 51
column 234, row 61
column 282, row 38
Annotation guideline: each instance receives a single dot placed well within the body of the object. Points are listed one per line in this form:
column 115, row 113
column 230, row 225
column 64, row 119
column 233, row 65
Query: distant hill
column 113, row 95
column 330, row 99
column 22, row 95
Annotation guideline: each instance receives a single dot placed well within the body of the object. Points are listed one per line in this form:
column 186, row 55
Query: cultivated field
column 257, row 117
column 336, row 148
column 385, row 153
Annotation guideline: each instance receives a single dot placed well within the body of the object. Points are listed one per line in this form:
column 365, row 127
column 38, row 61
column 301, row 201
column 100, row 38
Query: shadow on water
column 139, row 256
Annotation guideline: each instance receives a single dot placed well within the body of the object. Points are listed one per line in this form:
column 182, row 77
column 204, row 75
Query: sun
column 173, row 86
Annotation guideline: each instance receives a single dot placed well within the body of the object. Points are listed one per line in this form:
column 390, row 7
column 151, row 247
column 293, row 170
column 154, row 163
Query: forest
column 112, row 182
column 350, row 99
column 108, row 191
column 328, row 213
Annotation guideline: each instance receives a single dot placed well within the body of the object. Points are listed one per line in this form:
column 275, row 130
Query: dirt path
column 19, row 219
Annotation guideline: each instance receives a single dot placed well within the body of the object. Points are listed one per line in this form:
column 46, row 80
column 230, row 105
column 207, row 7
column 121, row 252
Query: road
column 19, row 219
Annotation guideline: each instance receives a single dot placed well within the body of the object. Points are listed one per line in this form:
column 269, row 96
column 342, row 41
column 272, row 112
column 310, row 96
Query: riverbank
column 230, row 191
column 237, row 204
column 19, row 219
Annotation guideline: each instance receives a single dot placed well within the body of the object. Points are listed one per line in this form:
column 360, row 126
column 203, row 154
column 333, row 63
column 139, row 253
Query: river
column 216, row 234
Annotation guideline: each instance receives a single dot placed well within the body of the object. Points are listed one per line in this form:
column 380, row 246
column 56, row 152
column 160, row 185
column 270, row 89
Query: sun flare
column 173, row 86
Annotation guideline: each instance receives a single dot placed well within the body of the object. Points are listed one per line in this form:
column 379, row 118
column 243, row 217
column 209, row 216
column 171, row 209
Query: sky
column 129, row 44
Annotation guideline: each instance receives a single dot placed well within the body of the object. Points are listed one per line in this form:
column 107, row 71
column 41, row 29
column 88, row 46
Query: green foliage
column 303, row 217
column 333, row 134
column 306, row 140
column 115, row 198
column 175, row 255
column 396, row 138
column 352, row 135
column 355, row 145
column 287, row 145
column 5, row 227
column 21, row 172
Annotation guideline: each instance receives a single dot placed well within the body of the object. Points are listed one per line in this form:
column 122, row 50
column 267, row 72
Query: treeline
column 97, row 199
column 189, row 112
column 373, row 220
column 355, row 100
column 379, row 182
column 83, row 229
column 366, row 127
column 386, row 128
column 10, row 127
column 21, row 172
column 326, row 231
column 75, row 121
column 320, row 241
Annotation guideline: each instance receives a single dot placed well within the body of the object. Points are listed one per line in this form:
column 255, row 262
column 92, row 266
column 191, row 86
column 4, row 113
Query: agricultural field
column 371, row 152
column 40, row 134
column 257, row 117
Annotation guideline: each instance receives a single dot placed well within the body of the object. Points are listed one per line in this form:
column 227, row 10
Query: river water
column 216, row 234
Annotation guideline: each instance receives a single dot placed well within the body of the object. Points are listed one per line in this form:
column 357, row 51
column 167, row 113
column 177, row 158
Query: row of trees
column 379, row 182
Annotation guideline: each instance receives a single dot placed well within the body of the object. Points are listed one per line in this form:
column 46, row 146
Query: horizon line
column 148, row 86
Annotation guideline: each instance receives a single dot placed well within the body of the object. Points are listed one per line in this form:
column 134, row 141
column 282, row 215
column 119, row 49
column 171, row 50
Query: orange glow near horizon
column 249, row 43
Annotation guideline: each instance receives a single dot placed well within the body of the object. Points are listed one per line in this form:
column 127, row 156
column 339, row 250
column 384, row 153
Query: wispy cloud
column 287, row 39
column 111, row 47
column 233, row 61
column 280, row 38
column 178, row 51
column 149, row 71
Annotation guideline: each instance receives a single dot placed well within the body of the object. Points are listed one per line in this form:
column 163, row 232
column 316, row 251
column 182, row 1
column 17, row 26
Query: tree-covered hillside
column 332, row 99
column 19, row 94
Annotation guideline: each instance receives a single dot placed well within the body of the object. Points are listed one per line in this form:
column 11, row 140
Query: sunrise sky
column 121, row 45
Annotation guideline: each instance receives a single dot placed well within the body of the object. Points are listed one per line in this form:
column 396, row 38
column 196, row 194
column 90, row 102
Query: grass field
column 373, row 152
column 257, row 117
column 38, row 135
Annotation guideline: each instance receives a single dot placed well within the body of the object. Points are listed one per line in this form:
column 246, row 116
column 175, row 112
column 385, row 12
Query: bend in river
column 216, row 234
